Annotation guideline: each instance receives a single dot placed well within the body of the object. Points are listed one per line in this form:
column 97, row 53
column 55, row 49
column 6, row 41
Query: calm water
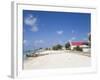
column 27, row 52
column 30, row 52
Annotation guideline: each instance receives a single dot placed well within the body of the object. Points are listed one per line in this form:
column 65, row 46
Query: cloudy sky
column 45, row 29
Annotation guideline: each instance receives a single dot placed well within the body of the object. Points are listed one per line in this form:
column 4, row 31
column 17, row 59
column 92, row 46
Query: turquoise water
column 27, row 52
column 30, row 52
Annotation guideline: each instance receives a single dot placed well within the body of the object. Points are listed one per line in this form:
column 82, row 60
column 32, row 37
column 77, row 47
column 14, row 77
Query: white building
column 82, row 44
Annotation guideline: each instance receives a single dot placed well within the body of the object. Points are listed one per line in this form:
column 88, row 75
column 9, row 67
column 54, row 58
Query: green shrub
column 67, row 45
column 57, row 47
column 77, row 48
column 46, row 49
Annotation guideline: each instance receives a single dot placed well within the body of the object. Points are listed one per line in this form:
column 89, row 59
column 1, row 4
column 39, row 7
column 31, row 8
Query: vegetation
column 67, row 45
column 46, row 49
column 40, row 48
column 77, row 48
column 57, row 47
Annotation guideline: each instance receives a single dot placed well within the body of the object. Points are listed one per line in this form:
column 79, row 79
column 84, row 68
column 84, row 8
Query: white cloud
column 60, row 42
column 60, row 32
column 39, row 42
column 25, row 41
column 32, row 22
column 73, row 38
column 34, row 29
column 73, row 31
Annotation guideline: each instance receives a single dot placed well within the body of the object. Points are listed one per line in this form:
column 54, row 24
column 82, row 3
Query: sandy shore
column 57, row 59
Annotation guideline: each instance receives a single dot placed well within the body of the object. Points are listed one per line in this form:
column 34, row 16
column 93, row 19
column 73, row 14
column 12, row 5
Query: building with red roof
column 77, row 43
column 82, row 44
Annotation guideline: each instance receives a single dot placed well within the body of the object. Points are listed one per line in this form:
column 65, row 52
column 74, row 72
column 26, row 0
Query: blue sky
column 46, row 28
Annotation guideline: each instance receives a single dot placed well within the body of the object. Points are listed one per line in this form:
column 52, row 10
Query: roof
column 78, row 43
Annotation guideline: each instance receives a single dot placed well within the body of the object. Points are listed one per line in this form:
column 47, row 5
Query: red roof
column 77, row 43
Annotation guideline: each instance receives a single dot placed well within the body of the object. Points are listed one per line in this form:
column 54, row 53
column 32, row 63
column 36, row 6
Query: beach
column 57, row 59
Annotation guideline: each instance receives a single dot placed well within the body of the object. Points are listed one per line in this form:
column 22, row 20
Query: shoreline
column 57, row 59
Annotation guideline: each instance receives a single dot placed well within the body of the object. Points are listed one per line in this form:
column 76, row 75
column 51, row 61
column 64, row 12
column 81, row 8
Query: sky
column 46, row 28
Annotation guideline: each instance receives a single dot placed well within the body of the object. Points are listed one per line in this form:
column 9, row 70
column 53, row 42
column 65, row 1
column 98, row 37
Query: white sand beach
column 57, row 59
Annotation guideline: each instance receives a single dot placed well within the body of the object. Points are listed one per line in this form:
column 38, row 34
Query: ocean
column 29, row 52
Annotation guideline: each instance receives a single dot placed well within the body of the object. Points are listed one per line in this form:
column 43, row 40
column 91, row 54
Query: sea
column 30, row 52
column 27, row 52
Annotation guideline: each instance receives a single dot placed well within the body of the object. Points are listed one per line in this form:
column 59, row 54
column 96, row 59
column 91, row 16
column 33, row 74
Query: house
column 82, row 44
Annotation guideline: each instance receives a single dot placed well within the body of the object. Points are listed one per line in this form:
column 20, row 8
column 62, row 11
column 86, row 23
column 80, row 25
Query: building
column 82, row 44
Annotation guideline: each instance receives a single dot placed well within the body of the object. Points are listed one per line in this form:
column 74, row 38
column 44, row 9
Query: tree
column 77, row 48
column 46, row 49
column 40, row 48
column 67, row 45
column 57, row 47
